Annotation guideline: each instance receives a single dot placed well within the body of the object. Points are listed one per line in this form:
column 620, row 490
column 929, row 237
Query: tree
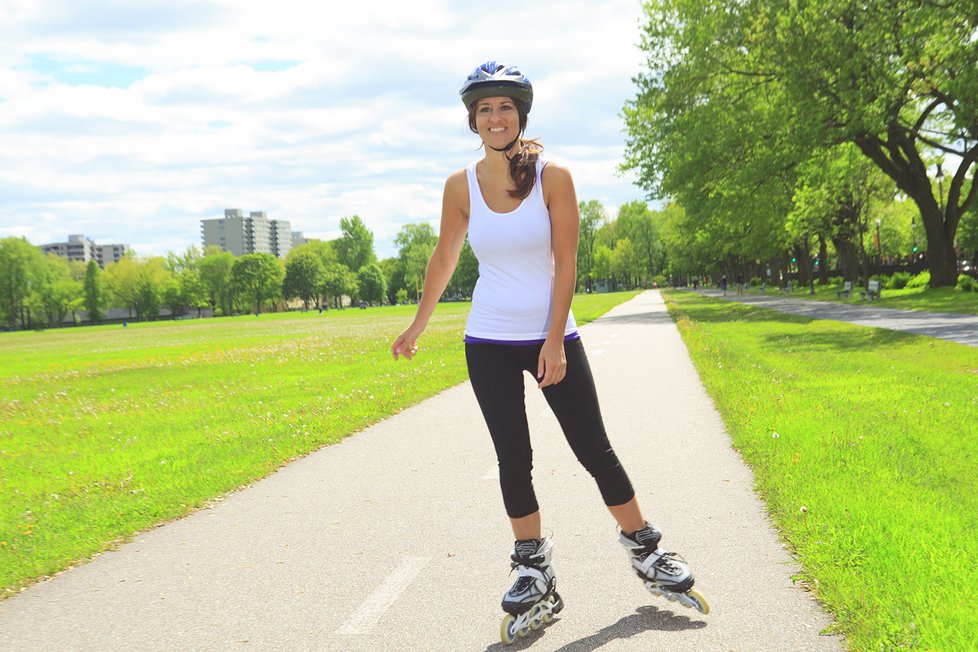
column 466, row 272
column 603, row 263
column 393, row 270
column 338, row 282
column 152, row 280
column 626, row 263
column 637, row 223
column 122, row 283
column 304, row 275
column 355, row 248
column 19, row 265
column 415, row 243
column 215, row 274
column 257, row 278
column 737, row 95
column 55, row 293
column 94, row 302
column 371, row 284
column 592, row 217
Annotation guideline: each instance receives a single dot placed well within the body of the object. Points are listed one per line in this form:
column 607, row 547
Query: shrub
column 921, row 280
column 402, row 297
column 966, row 283
column 899, row 280
column 884, row 280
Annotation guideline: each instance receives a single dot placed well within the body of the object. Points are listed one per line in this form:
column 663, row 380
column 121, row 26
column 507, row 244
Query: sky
column 129, row 122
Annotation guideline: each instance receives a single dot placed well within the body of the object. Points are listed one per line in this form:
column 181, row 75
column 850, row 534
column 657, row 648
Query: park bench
column 845, row 291
column 872, row 291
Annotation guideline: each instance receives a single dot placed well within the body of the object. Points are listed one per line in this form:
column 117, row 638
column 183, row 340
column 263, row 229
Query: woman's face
column 497, row 121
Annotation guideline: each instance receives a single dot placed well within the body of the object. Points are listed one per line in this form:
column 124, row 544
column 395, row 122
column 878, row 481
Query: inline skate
column 665, row 574
column 533, row 599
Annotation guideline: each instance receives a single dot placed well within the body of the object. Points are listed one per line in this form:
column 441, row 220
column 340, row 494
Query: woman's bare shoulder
column 556, row 177
column 457, row 190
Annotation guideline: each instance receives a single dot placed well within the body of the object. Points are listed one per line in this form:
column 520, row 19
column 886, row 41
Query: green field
column 864, row 444
column 106, row 430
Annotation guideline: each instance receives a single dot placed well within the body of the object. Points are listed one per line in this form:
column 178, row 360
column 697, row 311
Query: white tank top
column 513, row 298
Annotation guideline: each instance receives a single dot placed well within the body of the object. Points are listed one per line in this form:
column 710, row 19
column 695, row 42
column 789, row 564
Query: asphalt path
column 944, row 325
column 396, row 539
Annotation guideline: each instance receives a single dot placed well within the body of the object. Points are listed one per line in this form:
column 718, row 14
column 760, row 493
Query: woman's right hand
column 406, row 343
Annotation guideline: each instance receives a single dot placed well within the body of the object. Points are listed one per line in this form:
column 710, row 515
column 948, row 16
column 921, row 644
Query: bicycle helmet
column 492, row 79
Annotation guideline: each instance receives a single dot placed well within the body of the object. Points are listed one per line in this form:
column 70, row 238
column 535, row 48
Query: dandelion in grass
column 775, row 435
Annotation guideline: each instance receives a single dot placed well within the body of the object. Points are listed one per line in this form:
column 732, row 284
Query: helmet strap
column 507, row 147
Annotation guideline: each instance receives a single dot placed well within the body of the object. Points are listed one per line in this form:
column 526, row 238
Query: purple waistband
column 469, row 339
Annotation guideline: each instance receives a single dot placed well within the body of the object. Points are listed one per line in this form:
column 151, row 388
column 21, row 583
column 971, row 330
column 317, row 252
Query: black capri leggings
column 496, row 372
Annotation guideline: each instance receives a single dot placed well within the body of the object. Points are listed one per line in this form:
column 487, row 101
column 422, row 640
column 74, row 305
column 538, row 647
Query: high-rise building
column 81, row 248
column 111, row 253
column 248, row 234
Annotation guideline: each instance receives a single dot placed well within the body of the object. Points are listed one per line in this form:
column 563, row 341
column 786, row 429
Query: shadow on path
column 642, row 319
column 646, row 618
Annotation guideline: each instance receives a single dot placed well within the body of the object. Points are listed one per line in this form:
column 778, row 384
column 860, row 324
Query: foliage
column 304, row 275
column 966, row 283
column 94, row 301
column 371, row 284
column 215, row 275
column 415, row 243
column 338, row 281
column 355, row 248
column 737, row 97
column 898, row 280
column 19, row 266
column 257, row 278
column 919, row 280
column 593, row 217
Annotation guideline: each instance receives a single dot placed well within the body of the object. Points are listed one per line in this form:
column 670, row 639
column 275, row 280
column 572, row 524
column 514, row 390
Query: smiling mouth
column 496, row 130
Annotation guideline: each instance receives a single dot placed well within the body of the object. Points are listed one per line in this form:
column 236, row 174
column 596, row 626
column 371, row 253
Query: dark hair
column 523, row 164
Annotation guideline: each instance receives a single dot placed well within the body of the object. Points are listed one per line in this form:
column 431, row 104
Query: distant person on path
column 723, row 284
column 740, row 284
column 521, row 215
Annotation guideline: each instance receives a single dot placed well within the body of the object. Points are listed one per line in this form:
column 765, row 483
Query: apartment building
column 242, row 234
column 78, row 247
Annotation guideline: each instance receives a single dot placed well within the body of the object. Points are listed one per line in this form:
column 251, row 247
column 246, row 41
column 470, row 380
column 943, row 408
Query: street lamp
column 879, row 252
column 940, row 187
column 913, row 232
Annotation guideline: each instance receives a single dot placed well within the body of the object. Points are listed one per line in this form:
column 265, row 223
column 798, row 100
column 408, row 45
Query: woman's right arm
column 441, row 265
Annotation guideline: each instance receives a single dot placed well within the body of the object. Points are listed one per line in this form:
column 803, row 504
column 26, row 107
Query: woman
column 522, row 219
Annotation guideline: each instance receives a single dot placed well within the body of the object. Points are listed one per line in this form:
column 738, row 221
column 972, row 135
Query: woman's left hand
column 552, row 365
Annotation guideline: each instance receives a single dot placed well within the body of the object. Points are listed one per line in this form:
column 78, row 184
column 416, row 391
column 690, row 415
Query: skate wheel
column 507, row 632
column 701, row 604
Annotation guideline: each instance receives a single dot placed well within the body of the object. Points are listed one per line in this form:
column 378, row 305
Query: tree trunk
column 941, row 259
column 848, row 258
column 898, row 157
column 823, row 257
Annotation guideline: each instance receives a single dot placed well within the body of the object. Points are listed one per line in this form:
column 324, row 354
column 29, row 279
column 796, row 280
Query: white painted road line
column 380, row 600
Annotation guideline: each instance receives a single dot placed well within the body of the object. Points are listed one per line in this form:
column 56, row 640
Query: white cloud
column 130, row 122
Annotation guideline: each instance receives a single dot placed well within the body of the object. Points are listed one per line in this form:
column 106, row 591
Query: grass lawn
column 864, row 443
column 105, row 430
column 935, row 300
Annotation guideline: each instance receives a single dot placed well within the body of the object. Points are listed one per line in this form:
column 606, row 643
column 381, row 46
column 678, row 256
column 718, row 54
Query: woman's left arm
column 561, row 200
